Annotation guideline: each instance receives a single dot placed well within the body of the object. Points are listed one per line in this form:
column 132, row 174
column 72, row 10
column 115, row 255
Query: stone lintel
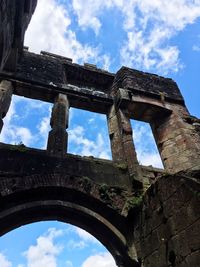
column 83, row 98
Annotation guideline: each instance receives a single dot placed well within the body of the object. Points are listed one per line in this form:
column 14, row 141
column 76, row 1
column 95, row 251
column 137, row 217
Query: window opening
column 88, row 134
column 27, row 122
column 145, row 145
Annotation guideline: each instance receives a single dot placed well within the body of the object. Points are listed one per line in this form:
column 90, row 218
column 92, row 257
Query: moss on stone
column 122, row 166
column 104, row 192
column 134, row 202
column 87, row 185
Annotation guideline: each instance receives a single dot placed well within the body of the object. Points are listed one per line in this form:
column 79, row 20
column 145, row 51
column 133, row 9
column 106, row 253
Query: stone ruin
column 144, row 216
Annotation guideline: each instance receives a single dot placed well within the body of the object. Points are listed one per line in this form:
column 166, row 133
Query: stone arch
column 56, row 201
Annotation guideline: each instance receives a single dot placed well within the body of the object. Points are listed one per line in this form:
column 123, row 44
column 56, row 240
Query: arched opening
column 68, row 206
column 55, row 243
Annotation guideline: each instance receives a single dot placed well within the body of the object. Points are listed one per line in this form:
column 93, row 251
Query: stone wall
column 138, row 82
column 167, row 231
column 103, row 197
column 7, row 20
column 178, row 139
column 14, row 19
column 51, row 69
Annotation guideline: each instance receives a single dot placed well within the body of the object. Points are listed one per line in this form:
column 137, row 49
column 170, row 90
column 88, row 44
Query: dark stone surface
column 7, row 21
column 26, row 161
column 51, row 69
column 88, row 77
column 14, row 18
column 83, row 191
column 167, row 229
column 138, row 82
column 98, row 195
column 40, row 69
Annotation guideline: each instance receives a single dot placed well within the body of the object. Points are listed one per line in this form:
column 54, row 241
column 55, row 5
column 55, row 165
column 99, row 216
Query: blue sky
column 157, row 36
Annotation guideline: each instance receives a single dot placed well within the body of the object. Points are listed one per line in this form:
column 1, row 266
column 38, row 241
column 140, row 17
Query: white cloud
column 149, row 159
column 149, row 26
column 12, row 133
column 86, row 147
column 69, row 264
column 50, row 31
column 4, row 262
column 85, row 235
column 145, row 145
column 99, row 260
column 148, row 37
column 72, row 244
column 45, row 252
column 89, row 11
column 23, row 134
column 196, row 48
column 44, row 128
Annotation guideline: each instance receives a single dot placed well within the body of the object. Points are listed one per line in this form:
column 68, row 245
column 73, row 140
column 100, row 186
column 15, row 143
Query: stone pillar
column 178, row 140
column 57, row 141
column 122, row 146
column 6, row 90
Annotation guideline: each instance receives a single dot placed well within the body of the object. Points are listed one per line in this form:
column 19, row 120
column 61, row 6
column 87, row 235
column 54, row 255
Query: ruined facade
column 144, row 216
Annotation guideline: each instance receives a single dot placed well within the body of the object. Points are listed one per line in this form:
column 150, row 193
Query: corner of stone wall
column 167, row 228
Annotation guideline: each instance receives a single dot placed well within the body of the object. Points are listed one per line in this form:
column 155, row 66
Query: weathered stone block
column 193, row 259
column 192, row 235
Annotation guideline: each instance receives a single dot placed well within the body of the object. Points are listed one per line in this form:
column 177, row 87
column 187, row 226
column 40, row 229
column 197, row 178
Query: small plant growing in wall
column 104, row 192
column 122, row 166
column 87, row 184
column 133, row 203
column 19, row 147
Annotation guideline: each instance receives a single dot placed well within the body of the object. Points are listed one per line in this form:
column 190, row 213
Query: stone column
column 6, row 90
column 178, row 140
column 122, row 146
column 57, row 141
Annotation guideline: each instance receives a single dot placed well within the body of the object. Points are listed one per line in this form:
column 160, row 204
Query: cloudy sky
column 157, row 36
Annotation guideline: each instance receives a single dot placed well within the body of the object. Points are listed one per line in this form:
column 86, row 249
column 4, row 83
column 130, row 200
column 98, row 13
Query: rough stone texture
column 167, row 231
column 14, row 18
column 123, row 151
column 178, row 140
column 35, row 186
column 26, row 161
column 156, row 226
column 138, row 82
column 7, row 20
column 40, row 69
column 6, row 90
column 48, row 68
column 57, row 141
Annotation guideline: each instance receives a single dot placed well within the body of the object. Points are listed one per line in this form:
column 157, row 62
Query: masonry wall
column 7, row 15
column 14, row 18
column 178, row 139
column 167, row 231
